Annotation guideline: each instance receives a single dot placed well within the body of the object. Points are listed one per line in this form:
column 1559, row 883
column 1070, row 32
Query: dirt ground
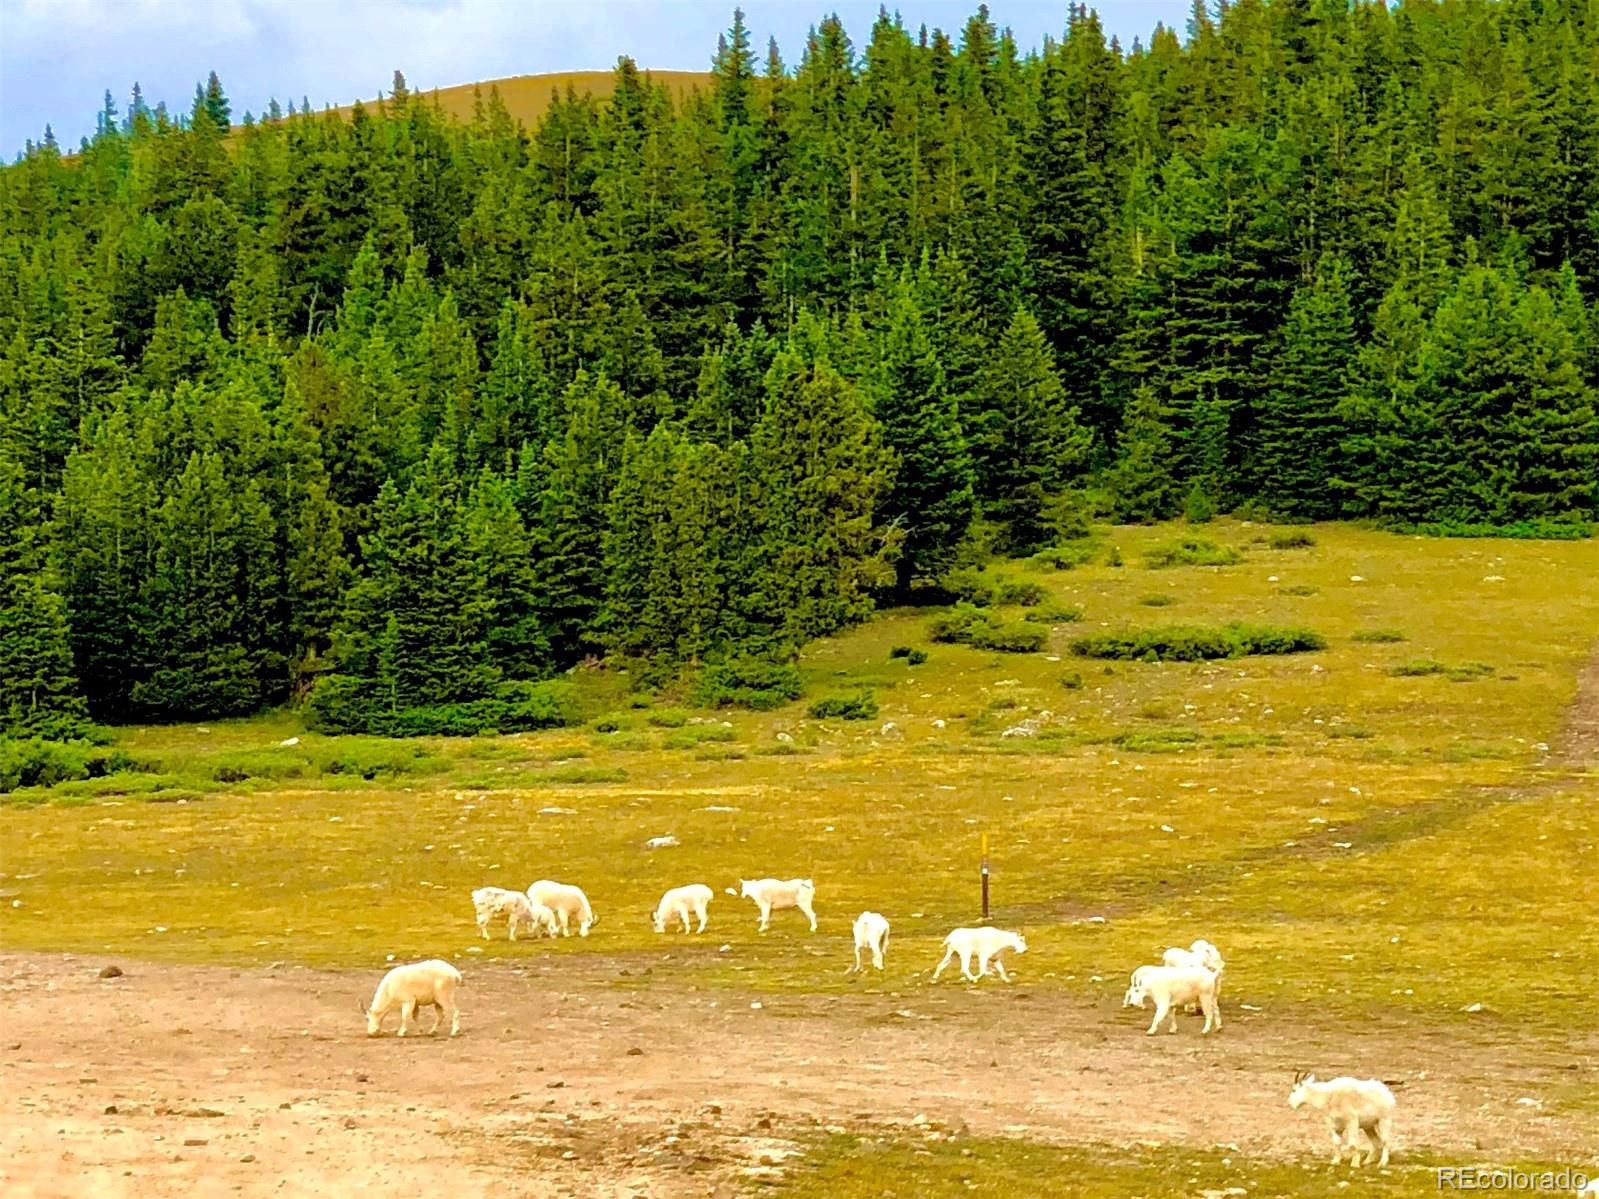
column 193, row 1081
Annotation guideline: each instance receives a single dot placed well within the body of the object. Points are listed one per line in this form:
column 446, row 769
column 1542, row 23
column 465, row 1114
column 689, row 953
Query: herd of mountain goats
column 1354, row 1107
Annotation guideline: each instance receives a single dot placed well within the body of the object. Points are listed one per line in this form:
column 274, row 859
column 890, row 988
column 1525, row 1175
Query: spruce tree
column 1298, row 429
column 1027, row 440
column 931, row 500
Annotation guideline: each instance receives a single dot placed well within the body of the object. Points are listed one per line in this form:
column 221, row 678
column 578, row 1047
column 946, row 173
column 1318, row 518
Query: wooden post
column 985, row 876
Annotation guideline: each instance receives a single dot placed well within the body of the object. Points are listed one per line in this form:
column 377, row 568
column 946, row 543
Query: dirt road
column 185, row 1081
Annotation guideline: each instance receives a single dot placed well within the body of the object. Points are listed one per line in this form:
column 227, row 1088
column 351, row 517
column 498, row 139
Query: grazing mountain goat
column 1353, row 1106
column 871, row 933
column 568, row 903
column 421, row 984
column 1200, row 953
column 1171, row 987
column 774, row 895
column 522, row 912
column 985, row 944
column 681, row 902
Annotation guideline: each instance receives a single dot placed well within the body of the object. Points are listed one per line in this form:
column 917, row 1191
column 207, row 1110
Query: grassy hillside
column 1323, row 816
column 527, row 96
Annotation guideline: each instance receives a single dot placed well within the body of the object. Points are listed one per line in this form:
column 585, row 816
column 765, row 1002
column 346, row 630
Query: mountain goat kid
column 681, row 902
column 1353, row 1106
column 421, row 984
column 985, row 944
column 568, row 903
column 871, row 933
column 1171, row 987
column 775, row 895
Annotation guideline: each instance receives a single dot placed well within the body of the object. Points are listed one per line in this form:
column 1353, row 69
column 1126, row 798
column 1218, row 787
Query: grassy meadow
column 1349, row 830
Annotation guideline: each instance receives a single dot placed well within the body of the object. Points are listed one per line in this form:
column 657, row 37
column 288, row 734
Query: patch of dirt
column 1578, row 744
column 196, row 1081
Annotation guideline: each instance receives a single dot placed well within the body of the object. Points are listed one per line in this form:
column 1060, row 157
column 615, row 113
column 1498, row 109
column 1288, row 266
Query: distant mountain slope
column 527, row 96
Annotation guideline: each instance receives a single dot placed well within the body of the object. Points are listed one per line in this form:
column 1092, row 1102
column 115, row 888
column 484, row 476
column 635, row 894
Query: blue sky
column 57, row 57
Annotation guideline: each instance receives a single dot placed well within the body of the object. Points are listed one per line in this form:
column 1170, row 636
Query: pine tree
column 39, row 691
column 822, row 472
column 931, row 500
column 1027, row 440
column 1298, row 430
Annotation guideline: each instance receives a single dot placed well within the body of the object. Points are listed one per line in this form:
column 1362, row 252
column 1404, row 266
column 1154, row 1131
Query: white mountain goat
column 681, row 903
column 1200, row 953
column 1171, row 987
column 775, row 895
column 420, row 984
column 871, row 933
column 568, row 903
column 985, row 944
column 1352, row 1106
column 520, row 911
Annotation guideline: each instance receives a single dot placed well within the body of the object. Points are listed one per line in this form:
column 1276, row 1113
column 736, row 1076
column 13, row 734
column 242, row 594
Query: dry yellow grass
column 527, row 97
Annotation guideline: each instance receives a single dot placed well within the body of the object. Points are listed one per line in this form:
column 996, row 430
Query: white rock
column 785, row 738
column 1357, row 578
column 1493, row 578
column 938, row 724
column 557, row 811
column 661, row 842
column 288, row 742
column 1474, row 1007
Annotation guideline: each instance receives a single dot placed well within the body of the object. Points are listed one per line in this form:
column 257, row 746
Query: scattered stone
column 247, row 1158
column 635, row 1052
column 111, row 972
column 756, row 1006
column 568, row 1156
column 557, row 811
column 111, row 1109
column 289, row 742
column 1474, row 1007
column 714, row 1108
column 555, row 1085
column 661, row 842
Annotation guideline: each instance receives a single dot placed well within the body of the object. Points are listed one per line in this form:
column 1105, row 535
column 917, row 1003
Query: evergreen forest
column 401, row 417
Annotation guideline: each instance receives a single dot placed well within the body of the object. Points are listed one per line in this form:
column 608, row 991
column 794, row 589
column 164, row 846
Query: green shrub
column 1155, row 741
column 911, row 654
column 1355, row 732
column 1157, row 601
column 968, row 585
column 341, row 704
column 1072, row 680
column 38, row 762
column 1467, row 671
column 668, row 718
column 955, row 625
column 696, row 734
column 1113, row 556
column 1293, row 539
column 1191, row 551
column 1536, row 529
column 858, row 705
column 1064, row 557
column 757, row 683
column 1054, row 614
column 1378, row 635
column 258, row 764
column 1299, row 589
column 1021, row 638
column 1193, row 643
column 1023, row 594
column 1416, row 668
column 369, row 759
column 1199, row 508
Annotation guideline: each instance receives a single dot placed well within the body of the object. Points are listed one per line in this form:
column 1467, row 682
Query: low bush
column 1292, row 539
column 967, row 624
column 1378, row 635
column 757, row 683
column 1065, row 557
column 370, row 759
column 1538, row 529
column 1024, row 593
column 1020, row 638
column 1299, row 589
column 340, row 704
column 1072, row 680
column 258, row 764
column 696, row 734
column 1156, row 741
column 1417, row 668
column 968, row 585
column 1193, row 643
column 668, row 718
column 1157, row 601
column 1054, row 614
column 36, row 762
column 1191, row 551
column 910, row 653
column 858, row 705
